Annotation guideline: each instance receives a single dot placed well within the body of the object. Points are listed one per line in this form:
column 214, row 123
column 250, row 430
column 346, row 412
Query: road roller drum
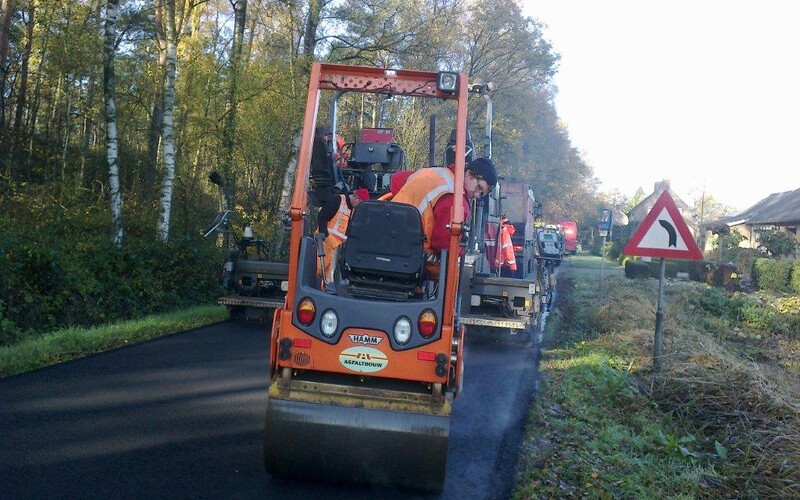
column 321, row 442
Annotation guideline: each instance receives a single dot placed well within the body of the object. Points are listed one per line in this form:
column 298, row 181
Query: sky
column 705, row 93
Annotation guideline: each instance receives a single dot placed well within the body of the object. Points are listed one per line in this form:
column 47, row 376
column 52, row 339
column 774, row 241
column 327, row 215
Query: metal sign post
column 602, row 262
column 659, row 339
column 663, row 233
column 604, row 230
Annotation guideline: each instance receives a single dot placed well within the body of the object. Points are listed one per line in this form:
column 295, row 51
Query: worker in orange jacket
column 504, row 256
column 431, row 191
column 332, row 223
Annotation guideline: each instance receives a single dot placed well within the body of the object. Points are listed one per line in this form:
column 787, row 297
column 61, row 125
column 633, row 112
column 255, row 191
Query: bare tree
column 388, row 32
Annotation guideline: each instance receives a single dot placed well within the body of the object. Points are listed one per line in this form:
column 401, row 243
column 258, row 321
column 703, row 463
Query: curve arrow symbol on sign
column 673, row 235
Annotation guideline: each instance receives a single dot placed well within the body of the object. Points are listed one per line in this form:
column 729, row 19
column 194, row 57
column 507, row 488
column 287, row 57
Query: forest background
column 114, row 113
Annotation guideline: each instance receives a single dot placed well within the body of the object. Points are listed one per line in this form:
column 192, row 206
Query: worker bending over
column 431, row 191
column 332, row 223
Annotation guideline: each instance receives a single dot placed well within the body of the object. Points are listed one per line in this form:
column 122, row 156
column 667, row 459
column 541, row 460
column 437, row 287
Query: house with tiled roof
column 640, row 211
column 778, row 211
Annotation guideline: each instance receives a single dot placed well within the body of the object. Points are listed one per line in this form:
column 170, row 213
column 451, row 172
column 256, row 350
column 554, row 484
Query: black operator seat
column 383, row 254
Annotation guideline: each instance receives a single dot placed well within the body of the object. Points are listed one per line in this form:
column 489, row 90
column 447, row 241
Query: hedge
column 712, row 273
column 47, row 285
column 641, row 269
column 795, row 279
column 774, row 275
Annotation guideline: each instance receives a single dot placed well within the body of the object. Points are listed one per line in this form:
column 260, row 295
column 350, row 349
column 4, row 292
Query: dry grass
column 740, row 390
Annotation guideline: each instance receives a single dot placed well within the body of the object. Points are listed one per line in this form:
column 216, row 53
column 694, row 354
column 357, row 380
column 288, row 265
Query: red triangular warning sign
column 664, row 233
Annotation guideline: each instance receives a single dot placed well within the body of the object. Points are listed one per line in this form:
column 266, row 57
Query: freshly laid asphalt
column 182, row 417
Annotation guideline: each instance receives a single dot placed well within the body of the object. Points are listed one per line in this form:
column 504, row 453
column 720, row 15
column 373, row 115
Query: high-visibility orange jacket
column 337, row 228
column 340, row 154
column 504, row 256
column 423, row 189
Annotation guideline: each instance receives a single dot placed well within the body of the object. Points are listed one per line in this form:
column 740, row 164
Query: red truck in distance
column 569, row 228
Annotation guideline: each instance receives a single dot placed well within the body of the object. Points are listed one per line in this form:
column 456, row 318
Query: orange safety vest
column 422, row 190
column 504, row 256
column 340, row 155
column 337, row 229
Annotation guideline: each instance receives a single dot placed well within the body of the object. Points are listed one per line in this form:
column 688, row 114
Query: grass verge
column 719, row 420
column 71, row 343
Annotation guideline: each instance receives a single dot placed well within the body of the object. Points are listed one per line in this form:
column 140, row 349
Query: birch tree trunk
column 112, row 140
column 167, row 130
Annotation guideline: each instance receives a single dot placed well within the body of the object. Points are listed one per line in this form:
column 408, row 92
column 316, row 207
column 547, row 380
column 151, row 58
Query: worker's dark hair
column 485, row 169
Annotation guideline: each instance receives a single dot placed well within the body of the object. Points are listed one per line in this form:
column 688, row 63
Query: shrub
column 701, row 271
column 713, row 301
column 772, row 275
column 727, row 244
column 637, row 269
column 756, row 315
column 88, row 281
column 714, row 324
column 642, row 269
column 743, row 258
column 726, row 276
column 721, row 305
column 794, row 284
column 715, row 274
column 777, row 243
column 614, row 249
column 778, row 315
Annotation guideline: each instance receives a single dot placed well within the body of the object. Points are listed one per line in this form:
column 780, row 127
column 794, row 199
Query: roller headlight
column 329, row 323
column 402, row 330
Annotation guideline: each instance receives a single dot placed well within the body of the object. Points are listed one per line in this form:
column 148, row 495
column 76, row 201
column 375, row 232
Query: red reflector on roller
column 426, row 356
column 304, row 343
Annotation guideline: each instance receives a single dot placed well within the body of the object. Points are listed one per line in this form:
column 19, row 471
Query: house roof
column 655, row 195
column 638, row 213
column 777, row 209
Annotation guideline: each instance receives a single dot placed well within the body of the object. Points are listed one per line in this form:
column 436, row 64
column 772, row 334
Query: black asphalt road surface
column 182, row 417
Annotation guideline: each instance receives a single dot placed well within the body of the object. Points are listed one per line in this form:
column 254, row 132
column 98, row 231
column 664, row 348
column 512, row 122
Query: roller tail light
column 306, row 311
column 427, row 323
